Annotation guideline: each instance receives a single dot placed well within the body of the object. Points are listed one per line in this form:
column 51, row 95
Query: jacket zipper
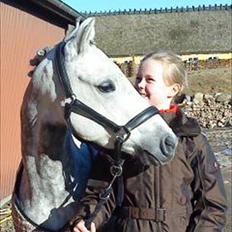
column 158, row 195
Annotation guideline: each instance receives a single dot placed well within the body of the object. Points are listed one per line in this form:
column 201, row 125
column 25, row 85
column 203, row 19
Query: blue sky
column 106, row 5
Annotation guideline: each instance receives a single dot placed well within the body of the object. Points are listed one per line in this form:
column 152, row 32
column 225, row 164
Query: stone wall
column 129, row 68
column 211, row 111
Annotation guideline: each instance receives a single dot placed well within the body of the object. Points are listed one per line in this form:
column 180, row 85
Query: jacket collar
column 180, row 123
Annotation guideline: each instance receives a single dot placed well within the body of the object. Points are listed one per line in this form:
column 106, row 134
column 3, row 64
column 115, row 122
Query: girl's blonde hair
column 174, row 71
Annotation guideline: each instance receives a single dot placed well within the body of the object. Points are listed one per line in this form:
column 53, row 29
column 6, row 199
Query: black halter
column 80, row 108
column 122, row 133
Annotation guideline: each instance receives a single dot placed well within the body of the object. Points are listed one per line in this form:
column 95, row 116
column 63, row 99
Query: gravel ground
column 221, row 142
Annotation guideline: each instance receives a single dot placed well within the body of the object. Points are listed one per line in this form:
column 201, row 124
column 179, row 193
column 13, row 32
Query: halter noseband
column 122, row 133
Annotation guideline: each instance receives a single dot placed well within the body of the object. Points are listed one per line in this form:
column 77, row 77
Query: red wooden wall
column 22, row 34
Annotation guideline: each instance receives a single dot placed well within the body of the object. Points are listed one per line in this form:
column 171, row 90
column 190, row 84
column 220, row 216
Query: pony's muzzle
column 168, row 146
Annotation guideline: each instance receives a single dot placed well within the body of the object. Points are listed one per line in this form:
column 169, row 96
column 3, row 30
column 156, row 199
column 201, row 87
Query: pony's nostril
column 169, row 141
column 168, row 145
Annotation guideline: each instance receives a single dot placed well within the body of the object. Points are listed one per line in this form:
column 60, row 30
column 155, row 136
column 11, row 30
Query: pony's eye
column 106, row 87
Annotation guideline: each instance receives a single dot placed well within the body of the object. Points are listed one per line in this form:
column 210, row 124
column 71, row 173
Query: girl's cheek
column 151, row 88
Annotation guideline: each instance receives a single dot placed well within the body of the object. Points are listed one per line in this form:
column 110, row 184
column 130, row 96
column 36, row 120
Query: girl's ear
column 174, row 90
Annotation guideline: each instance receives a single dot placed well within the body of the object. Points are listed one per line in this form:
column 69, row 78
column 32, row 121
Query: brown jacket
column 187, row 193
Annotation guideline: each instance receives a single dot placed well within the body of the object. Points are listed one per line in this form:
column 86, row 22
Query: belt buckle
column 160, row 214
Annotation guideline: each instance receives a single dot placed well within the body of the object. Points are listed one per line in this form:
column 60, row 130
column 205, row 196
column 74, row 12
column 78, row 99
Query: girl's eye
column 106, row 87
column 138, row 79
column 150, row 80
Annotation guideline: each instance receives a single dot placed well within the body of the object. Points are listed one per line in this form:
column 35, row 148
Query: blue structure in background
column 83, row 158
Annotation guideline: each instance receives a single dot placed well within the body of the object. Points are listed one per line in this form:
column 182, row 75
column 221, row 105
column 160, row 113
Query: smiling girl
column 187, row 194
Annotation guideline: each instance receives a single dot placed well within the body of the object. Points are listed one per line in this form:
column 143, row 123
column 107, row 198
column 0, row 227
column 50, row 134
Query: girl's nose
column 141, row 84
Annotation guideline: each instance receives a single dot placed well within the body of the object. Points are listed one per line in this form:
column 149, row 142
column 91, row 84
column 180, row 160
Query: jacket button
column 183, row 220
column 182, row 200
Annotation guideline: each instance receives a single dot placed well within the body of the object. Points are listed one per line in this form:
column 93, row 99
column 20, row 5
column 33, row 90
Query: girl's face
column 150, row 84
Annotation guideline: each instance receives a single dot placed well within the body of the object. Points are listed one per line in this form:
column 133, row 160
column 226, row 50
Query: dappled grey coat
column 188, row 190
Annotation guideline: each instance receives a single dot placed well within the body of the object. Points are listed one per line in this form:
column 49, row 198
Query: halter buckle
column 105, row 195
column 116, row 170
column 122, row 134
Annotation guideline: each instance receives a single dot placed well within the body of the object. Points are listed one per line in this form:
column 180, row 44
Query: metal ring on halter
column 73, row 97
column 116, row 170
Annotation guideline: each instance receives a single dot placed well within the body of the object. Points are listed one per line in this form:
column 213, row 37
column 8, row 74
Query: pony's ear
column 73, row 33
column 85, row 35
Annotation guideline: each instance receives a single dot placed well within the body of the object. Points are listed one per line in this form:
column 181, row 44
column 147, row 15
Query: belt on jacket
column 155, row 214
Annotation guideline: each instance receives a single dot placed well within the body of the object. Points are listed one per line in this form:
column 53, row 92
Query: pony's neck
column 47, row 168
column 43, row 154
column 43, row 133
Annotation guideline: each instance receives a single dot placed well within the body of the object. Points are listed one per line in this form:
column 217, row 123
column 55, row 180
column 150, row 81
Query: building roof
column 54, row 11
column 182, row 30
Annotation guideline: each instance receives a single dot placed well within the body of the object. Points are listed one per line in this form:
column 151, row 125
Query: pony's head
column 96, row 81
